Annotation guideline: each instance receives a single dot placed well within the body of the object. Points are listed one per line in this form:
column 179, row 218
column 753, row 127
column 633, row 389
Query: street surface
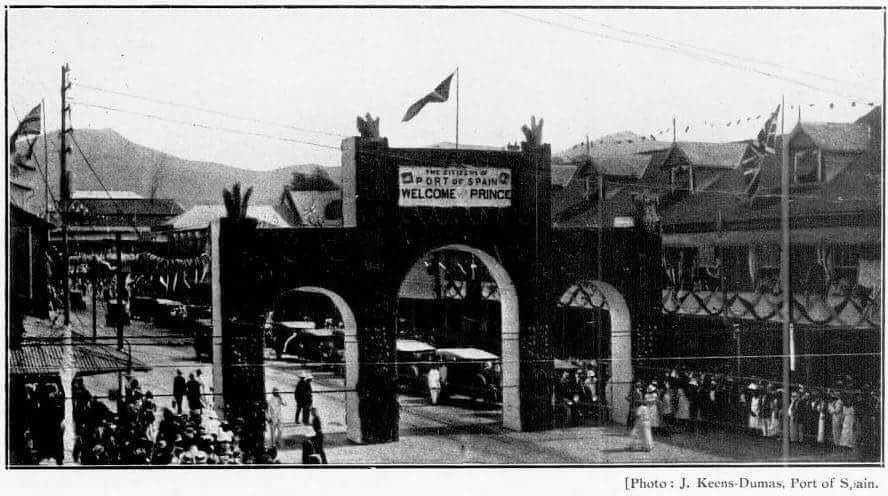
column 460, row 431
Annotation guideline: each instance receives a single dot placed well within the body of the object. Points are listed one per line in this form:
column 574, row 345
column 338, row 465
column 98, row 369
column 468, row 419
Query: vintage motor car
column 415, row 358
column 303, row 339
column 202, row 331
column 471, row 372
column 285, row 335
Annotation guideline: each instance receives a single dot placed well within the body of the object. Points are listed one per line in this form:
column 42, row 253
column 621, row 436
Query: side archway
column 601, row 295
column 350, row 324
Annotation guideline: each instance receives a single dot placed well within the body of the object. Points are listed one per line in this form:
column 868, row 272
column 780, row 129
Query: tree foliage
column 316, row 180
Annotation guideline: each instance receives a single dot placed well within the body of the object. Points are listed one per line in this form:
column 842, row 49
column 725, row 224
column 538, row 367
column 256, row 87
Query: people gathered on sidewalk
column 844, row 416
column 141, row 433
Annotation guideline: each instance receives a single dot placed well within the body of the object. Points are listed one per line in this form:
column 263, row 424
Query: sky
column 297, row 79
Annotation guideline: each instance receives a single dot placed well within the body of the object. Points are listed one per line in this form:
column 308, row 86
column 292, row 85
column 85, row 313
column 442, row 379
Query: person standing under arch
column 273, row 414
column 303, row 395
column 434, row 382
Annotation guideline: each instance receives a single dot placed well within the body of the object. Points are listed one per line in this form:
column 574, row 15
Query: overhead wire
column 685, row 52
column 202, row 126
column 377, row 153
column 678, row 44
column 206, row 110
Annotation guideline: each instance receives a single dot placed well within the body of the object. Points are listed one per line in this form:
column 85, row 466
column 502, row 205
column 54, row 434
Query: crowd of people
column 139, row 432
column 580, row 392
column 42, row 415
column 844, row 416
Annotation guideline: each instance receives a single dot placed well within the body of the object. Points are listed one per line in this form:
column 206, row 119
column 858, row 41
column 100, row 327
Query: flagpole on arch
column 457, row 108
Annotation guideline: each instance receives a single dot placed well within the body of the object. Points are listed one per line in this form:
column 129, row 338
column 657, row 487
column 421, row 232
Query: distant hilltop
column 124, row 165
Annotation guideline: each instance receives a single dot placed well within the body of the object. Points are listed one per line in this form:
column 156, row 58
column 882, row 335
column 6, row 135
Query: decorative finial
column 533, row 135
column 368, row 127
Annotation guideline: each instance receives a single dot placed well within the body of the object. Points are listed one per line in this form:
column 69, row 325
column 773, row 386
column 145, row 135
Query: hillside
column 124, row 165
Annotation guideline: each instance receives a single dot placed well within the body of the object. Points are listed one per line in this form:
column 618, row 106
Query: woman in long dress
column 683, row 411
column 765, row 413
column 836, row 411
column 848, row 438
column 668, row 409
column 652, row 399
column 795, row 424
column 820, row 410
column 755, row 407
column 642, row 436
column 775, row 421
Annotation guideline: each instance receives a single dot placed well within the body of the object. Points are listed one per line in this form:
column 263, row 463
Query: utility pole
column 65, row 193
column 118, row 313
column 121, row 289
column 785, row 279
column 45, row 162
column 673, row 129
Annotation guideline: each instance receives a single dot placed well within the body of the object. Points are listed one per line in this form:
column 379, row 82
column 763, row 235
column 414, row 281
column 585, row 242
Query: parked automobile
column 415, row 358
column 472, row 372
column 115, row 312
column 202, row 331
column 171, row 314
column 284, row 335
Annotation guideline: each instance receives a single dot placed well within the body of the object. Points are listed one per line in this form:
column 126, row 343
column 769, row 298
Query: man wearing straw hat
column 303, row 395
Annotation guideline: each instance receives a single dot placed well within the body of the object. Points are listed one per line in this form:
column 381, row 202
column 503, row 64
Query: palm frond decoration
column 235, row 204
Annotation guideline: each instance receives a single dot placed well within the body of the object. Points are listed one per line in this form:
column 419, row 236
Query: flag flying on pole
column 440, row 94
column 766, row 141
column 29, row 125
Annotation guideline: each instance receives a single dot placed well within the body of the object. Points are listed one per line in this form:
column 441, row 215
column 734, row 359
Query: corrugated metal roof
column 38, row 358
column 127, row 206
column 200, row 216
column 837, row 136
column 104, row 195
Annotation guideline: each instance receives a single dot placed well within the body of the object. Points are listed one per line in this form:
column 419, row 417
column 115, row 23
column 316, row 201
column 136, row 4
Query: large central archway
column 599, row 295
column 502, row 289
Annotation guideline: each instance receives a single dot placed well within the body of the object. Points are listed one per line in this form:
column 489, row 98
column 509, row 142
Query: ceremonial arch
column 399, row 207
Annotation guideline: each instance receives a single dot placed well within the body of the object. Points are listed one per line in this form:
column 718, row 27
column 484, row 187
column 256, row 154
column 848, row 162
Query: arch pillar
column 621, row 372
column 511, row 364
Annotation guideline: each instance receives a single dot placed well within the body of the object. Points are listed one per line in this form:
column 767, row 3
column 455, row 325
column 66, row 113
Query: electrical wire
column 102, row 184
column 206, row 110
column 203, row 126
column 684, row 52
column 677, row 44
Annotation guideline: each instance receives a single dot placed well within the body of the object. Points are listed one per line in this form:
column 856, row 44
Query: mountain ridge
column 122, row 164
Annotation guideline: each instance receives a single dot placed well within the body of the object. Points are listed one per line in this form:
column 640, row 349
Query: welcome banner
column 455, row 186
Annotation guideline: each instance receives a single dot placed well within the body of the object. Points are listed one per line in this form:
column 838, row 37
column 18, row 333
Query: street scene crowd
column 140, row 432
column 845, row 416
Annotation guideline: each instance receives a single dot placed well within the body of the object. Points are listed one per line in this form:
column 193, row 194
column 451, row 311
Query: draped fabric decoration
column 836, row 310
column 172, row 273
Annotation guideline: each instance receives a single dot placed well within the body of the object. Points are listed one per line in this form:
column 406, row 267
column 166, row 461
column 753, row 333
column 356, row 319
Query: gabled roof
column 836, row 136
column 561, row 174
column 311, row 206
column 719, row 155
column 200, row 216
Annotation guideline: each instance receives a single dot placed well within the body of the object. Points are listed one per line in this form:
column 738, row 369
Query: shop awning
column 40, row 358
